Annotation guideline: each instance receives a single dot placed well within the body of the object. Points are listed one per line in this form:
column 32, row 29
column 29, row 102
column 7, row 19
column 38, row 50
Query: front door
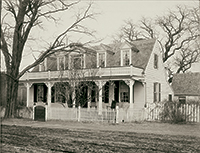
column 116, row 91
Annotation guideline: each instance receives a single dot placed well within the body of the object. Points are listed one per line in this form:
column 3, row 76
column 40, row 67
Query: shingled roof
column 141, row 51
column 186, row 84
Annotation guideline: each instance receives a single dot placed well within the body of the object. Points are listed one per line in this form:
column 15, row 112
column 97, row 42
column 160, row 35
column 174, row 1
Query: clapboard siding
column 156, row 75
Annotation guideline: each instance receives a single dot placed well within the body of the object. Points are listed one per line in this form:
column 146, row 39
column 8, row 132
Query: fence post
column 117, row 114
column 79, row 113
column 198, row 113
column 195, row 113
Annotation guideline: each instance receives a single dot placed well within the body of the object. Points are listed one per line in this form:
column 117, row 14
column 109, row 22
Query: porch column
column 131, row 92
column 28, row 85
column 89, row 97
column 49, row 85
column 73, row 99
column 100, row 97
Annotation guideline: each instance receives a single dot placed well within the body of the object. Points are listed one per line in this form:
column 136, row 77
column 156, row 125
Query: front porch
column 95, row 94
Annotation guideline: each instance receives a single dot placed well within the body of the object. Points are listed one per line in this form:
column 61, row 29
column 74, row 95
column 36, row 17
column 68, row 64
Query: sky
column 112, row 15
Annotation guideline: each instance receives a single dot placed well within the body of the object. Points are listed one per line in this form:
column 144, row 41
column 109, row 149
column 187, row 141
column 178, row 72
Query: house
column 131, row 74
column 186, row 87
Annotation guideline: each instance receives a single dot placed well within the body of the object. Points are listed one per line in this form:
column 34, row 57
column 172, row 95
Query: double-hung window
column 61, row 63
column 101, row 59
column 77, row 61
column 126, row 57
column 156, row 92
column 124, row 97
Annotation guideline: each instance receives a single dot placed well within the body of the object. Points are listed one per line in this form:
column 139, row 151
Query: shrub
column 171, row 112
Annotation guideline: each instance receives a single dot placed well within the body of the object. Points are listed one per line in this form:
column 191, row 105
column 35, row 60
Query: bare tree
column 24, row 15
column 174, row 31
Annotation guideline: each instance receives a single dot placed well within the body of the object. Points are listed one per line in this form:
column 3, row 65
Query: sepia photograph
column 102, row 76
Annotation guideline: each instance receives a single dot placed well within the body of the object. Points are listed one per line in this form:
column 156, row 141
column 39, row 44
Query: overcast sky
column 108, row 22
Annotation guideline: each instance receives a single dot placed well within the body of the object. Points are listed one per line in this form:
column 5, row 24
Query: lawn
column 78, row 137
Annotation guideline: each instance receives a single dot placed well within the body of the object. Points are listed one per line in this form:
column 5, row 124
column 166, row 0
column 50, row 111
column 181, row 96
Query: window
column 155, row 61
column 58, row 93
column 170, row 97
column 157, row 92
column 126, row 57
column 101, row 59
column 40, row 93
column 182, row 100
column 124, row 97
column 61, row 63
column 77, row 61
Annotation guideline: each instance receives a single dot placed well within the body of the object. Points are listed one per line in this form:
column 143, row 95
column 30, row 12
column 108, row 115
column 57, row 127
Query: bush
column 171, row 112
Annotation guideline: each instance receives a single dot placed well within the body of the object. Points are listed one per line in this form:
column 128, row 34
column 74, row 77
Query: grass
column 78, row 137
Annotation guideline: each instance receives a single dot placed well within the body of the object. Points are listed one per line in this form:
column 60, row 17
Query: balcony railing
column 105, row 72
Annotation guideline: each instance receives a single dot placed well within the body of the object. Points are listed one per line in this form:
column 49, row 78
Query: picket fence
column 188, row 112
column 81, row 114
column 152, row 112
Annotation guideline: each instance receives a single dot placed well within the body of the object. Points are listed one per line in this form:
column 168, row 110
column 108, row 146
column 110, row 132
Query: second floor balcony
column 84, row 73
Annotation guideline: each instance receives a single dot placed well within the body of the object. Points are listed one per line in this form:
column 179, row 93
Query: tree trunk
column 12, row 93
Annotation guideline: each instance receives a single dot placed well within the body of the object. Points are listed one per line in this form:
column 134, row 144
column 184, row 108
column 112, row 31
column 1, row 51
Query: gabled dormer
column 103, row 54
column 77, row 60
column 125, row 55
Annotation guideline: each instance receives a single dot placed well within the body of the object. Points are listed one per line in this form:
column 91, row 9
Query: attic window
column 77, row 61
column 101, row 59
column 126, row 57
column 61, row 63
column 155, row 61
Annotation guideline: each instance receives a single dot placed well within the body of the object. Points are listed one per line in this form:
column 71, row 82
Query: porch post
column 131, row 92
column 49, row 85
column 89, row 97
column 28, row 85
column 100, row 97
column 73, row 99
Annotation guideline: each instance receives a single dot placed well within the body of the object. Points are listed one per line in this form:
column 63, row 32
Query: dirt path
column 143, row 127
column 23, row 139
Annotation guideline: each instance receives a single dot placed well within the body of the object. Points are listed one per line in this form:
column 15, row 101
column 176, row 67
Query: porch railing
column 107, row 71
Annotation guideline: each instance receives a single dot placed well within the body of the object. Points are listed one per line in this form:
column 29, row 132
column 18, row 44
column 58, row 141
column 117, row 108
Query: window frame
column 156, row 92
column 124, row 97
column 77, row 56
column 155, row 61
column 126, row 57
column 102, row 61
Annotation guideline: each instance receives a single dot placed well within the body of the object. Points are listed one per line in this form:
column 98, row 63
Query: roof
column 141, row 51
column 186, row 84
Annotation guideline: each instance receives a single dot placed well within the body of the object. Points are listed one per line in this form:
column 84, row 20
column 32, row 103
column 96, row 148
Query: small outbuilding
column 186, row 87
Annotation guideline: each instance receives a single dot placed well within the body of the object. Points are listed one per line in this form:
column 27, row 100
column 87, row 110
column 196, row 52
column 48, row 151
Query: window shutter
column 159, row 92
column 154, row 92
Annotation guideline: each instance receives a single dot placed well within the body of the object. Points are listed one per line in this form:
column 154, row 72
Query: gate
column 39, row 114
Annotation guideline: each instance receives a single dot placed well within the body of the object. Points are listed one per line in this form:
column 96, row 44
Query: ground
column 19, row 135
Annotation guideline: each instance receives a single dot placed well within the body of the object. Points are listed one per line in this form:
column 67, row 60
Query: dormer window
column 155, row 61
column 126, row 57
column 61, row 63
column 102, row 60
column 77, row 61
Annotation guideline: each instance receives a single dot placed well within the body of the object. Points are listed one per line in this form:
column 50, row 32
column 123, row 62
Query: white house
column 131, row 74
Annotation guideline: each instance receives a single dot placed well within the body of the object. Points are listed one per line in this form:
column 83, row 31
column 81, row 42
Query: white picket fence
column 188, row 112
column 81, row 114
